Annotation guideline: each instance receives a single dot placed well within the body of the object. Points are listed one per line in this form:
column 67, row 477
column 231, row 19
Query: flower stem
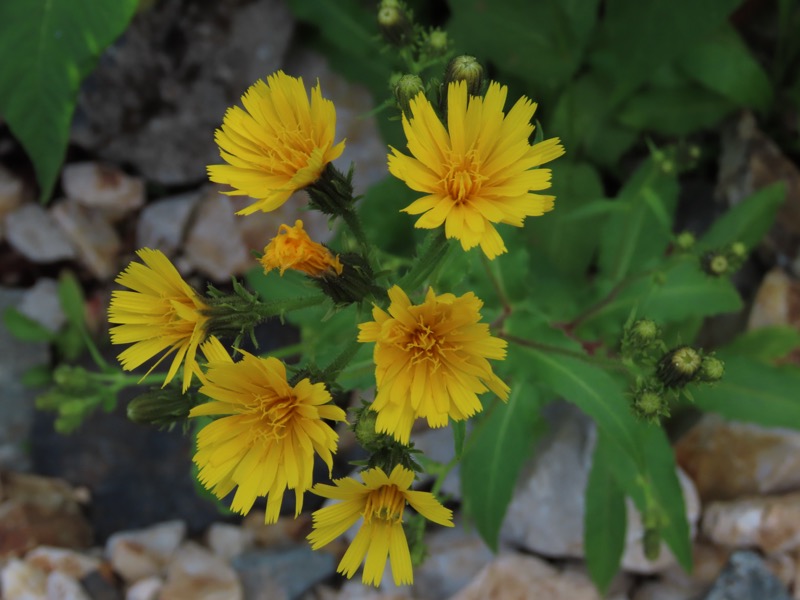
column 433, row 252
column 609, row 364
column 339, row 363
column 353, row 222
column 278, row 307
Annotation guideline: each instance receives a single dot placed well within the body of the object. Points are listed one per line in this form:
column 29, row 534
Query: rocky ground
column 110, row 512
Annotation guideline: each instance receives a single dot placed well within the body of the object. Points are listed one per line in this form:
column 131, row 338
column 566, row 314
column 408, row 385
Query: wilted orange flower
column 293, row 249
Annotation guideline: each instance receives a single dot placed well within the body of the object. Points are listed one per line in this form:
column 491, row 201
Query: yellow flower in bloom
column 278, row 144
column 380, row 500
column 266, row 440
column 430, row 360
column 162, row 313
column 478, row 171
column 293, row 249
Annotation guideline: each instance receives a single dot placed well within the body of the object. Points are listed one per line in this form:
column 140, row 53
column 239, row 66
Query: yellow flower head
column 478, row 171
column 430, row 360
column 278, row 144
column 161, row 314
column 380, row 500
column 269, row 434
column 293, row 249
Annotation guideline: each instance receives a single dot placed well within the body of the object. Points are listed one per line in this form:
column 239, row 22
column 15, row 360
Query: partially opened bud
column 292, row 248
column 679, row 366
column 465, row 68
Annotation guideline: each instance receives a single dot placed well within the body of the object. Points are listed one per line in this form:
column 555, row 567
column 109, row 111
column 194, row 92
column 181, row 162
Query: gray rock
column 16, row 401
column 34, row 233
column 286, row 574
column 161, row 90
column 41, row 304
column 746, row 578
column 96, row 241
column 162, row 224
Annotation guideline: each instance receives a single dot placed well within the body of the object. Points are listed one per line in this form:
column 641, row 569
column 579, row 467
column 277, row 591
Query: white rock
column 162, row 224
column 41, row 304
column 96, row 241
column 61, row 586
column 770, row 523
column 227, row 541
column 196, row 573
column 145, row 589
column 104, row 187
column 35, row 234
column 64, row 560
column 214, row 244
column 21, row 581
column 146, row 552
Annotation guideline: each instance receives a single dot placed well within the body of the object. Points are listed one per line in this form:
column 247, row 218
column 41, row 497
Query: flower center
column 423, row 344
column 386, row 503
column 463, row 179
column 272, row 417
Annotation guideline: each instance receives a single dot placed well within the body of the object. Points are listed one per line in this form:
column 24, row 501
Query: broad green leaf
column 539, row 42
column 24, row 328
column 679, row 111
column 639, row 233
column 723, row 63
column 765, row 344
column 604, row 522
column 385, row 226
column 70, row 295
column 561, row 238
column 49, row 47
column 753, row 391
column 637, row 37
column 747, row 222
column 495, row 452
column 581, row 110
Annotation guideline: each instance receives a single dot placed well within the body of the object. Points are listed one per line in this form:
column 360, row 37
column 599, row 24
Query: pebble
column 12, row 192
column 163, row 224
column 94, row 238
column 148, row 588
column 289, row 572
column 747, row 578
column 21, row 581
column 145, row 552
column 214, row 246
column 728, row 460
column 196, row 573
column 34, row 233
column 103, row 187
column 777, row 301
column 41, row 304
column 63, row 560
column 226, row 540
column 771, row 523
column 61, row 586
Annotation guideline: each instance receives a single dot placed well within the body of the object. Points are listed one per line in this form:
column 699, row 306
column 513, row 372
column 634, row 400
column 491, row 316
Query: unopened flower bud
column 715, row 264
column 639, row 336
column 465, row 68
column 685, row 241
column 364, row 429
column 711, row 369
column 355, row 282
column 738, row 250
column 679, row 366
column 436, row 42
column 406, row 89
column 67, row 377
column 650, row 406
column 160, row 406
column 395, row 24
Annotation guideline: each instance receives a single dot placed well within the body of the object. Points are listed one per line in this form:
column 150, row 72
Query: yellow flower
column 293, row 249
column 431, row 360
column 478, row 171
column 278, row 144
column 380, row 500
column 161, row 314
column 266, row 441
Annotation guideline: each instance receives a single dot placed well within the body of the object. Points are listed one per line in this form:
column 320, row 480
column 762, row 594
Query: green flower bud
column 715, row 264
column 355, row 283
column 67, row 377
column 695, row 152
column 685, row 241
column 679, row 366
column 161, row 407
column 650, row 406
column 437, row 42
column 711, row 369
column 394, row 21
column 468, row 69
column 364, row 429
column 738, row 250
column 406, row 89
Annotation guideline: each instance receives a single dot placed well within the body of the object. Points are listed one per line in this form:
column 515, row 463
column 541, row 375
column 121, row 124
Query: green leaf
column 70, row 294
column 24, row 328
column 723, row 63
column 765, row 344
column 561, row 238
column 747, row 222
column 50, row 46
column 753, row 391
column 384, row 224
column 494, row 455
column 459, row 436
column 639, row 233
column 679, row 111
column 605, row 521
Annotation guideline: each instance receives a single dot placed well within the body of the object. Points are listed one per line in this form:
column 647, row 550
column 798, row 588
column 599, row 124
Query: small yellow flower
column 266, row 441
column 479, row 170
column 431, row 360
column 278, row 144
column 161, row 314
column 380, row 500
column 293, row 249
